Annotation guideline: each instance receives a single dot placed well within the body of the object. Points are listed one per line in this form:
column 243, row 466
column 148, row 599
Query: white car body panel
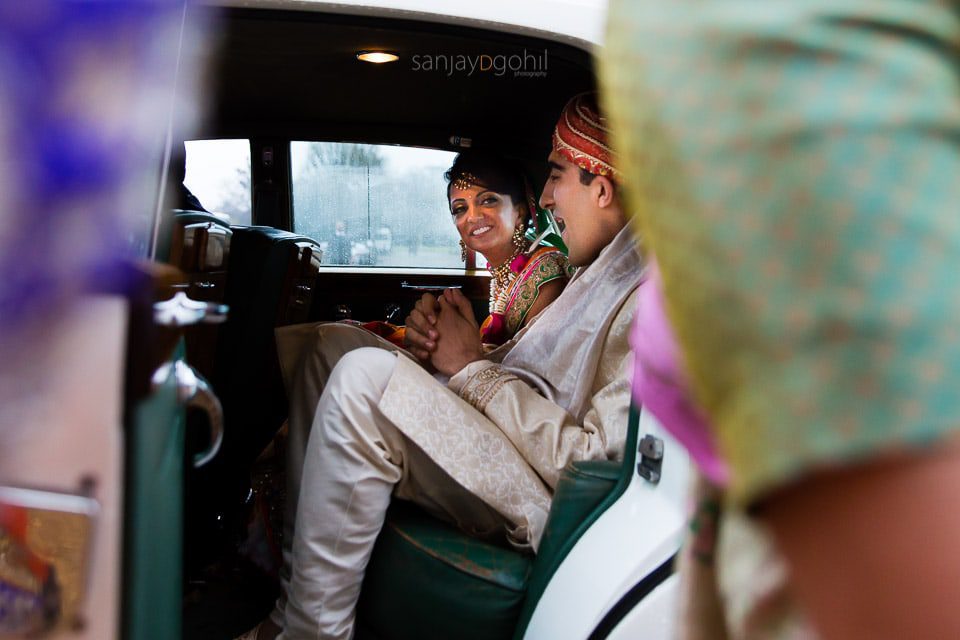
column 654, row 617
column 576, row 22
column 631, row 539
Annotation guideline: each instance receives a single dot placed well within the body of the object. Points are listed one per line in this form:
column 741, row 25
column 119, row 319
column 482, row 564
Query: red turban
column 581, row 136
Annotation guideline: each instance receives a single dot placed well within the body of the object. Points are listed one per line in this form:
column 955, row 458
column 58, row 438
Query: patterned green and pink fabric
column 794, row 168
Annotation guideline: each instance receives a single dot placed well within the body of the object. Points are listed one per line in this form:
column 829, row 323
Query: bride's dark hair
column 490, row 171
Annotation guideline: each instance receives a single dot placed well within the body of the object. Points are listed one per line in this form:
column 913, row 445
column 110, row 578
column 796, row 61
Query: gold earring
column 463, row 251
column 518, row 240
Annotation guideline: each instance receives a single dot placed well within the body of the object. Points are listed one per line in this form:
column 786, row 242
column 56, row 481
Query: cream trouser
column 345, row 459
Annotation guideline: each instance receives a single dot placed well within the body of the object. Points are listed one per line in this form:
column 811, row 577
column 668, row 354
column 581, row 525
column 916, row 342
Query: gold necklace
column 502, row 276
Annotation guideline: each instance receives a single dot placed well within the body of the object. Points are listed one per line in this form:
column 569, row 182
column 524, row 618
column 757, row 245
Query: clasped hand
column 443, row 332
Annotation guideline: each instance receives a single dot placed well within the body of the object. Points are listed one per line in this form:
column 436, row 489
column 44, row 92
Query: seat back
column 269, row 284
column 199, row 242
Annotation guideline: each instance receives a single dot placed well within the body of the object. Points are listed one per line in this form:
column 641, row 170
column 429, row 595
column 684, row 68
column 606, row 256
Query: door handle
column 427, row 288
column 651, row 458
column 183, row 311
column 194, row 392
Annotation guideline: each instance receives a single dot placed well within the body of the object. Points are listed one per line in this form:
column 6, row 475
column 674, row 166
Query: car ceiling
column 294, row 75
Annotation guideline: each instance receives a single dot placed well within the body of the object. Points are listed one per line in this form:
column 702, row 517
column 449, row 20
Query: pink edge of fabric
column 659, row 383
column 493, row 327
column 519, row 262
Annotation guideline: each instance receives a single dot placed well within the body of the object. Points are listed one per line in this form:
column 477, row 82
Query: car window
column 218, row 174
column 374, row 205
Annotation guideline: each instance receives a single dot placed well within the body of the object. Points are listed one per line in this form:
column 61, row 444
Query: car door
column 160, row 386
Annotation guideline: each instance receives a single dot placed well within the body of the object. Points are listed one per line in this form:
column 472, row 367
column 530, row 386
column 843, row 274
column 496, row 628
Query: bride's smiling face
column 486, row 221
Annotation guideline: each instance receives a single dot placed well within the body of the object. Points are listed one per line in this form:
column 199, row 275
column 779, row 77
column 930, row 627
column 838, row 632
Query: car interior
column 335, row 209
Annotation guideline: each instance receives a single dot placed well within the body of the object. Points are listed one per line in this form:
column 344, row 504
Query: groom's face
column 587, row 225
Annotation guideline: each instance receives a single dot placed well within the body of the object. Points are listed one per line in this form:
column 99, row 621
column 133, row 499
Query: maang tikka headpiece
column 465, row 180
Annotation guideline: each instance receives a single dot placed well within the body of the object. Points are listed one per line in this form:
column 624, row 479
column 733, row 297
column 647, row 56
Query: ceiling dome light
column 377, row 57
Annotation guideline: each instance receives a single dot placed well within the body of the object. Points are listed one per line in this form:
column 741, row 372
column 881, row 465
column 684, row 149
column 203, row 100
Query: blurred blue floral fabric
column 86, row 95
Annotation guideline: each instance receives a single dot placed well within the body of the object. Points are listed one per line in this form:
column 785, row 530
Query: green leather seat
column 427, row 579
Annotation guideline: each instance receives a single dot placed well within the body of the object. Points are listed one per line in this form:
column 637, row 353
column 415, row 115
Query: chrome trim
column 193, row 391
column 183, row 311
column 428, row 287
